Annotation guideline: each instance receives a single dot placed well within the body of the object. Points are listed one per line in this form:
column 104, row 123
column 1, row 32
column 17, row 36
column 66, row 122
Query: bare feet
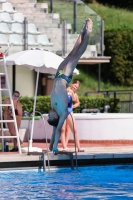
column 65, row 149
column 89, row 25
column 83, row 30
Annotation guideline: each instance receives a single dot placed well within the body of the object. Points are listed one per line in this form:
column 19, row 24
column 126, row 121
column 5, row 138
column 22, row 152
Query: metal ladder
column 70, row 154
column 11, row 104
column 42, row 154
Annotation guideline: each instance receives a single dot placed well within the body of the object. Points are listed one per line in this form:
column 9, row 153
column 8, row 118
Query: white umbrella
column 42, row 61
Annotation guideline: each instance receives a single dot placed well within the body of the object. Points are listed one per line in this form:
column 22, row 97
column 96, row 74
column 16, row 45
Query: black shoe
column 15, row 149
column 80, row 150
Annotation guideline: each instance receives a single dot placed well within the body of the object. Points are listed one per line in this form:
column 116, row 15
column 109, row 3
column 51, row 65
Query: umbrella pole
column 34, row 108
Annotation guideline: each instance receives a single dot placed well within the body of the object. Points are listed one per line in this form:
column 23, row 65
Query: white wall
column 92, row 127
column 25, row 81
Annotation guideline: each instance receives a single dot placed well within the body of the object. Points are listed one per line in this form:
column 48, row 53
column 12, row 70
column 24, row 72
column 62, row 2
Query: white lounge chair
column 5, row 17
column 56, row 16
column 18, row 17
column 79, row 2
column 69, row 28
column 3, row 39
column 14, row 39
column 31, row 40
column 32, row 29
column 4, row 28
column 43, row 40
column 17, row 28
column 7, row 7
column 93, row 50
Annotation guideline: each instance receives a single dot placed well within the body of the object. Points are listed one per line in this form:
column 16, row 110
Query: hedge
column 43, row 104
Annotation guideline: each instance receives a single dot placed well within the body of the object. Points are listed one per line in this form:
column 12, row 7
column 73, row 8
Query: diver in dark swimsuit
column 59, row 98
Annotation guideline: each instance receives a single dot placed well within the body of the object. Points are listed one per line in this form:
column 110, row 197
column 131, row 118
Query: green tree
column 119, row 45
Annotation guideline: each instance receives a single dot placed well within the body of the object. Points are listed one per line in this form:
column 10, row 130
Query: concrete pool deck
column 94, row 154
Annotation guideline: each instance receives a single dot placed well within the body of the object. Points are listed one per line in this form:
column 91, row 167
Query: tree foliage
column 119, row 45
column 118, row 3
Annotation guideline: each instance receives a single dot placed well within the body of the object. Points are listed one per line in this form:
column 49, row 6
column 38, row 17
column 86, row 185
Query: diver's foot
column 83, row 30
column 55, row 151
column 89, row 25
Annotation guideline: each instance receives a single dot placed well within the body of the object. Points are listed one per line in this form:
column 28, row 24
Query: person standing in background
column 9, row 116
column 71, row 126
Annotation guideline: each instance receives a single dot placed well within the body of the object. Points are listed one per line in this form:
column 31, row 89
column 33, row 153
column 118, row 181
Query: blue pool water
column 114, row 182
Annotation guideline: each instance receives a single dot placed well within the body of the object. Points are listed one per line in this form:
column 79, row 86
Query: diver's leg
column 82, row 48
column 58, row 130
column 77, row 53
column 71, row 60
column 78, row 43
column 52, row 139
column 86, row 30
column 80, row 38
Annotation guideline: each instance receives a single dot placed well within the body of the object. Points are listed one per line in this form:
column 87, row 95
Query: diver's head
column 53, row 118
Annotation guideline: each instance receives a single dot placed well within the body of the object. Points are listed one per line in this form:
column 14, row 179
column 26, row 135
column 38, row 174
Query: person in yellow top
column 58, row 96
column 9, row 116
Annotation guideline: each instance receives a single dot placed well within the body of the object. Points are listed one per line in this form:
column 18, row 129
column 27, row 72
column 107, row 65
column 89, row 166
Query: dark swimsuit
column 60, row 74
column 10, row 110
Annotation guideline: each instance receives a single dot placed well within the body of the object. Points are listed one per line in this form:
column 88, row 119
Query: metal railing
column 42, row 154
column 125, row 96
column 126, row 106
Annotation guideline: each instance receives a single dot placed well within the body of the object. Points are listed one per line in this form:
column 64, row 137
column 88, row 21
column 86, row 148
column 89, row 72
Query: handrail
column 74, row 142
column 45, row 135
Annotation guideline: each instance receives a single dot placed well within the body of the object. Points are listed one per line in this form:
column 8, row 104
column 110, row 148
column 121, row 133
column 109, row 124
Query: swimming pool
column 113, row 182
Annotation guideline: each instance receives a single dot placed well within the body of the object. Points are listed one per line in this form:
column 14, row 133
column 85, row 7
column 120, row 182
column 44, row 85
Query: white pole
column 34, row 108
column 1, row 117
